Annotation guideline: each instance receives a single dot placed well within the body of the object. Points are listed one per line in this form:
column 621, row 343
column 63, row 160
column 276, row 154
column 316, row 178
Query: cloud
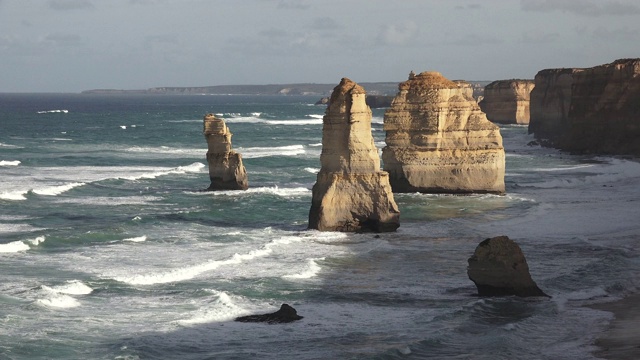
column 293, row 4
column 581, row 7
column 397, row 34
column 469, row 6
column 476, row 40
column 623, row 34
column 274, row 33
column 325, row 23
column 70, row 5
column 540, row 38
column 64, row 39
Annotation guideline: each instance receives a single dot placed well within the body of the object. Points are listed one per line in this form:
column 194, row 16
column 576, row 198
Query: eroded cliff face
column 590, row 110
column 439, row 141
column 226, row 170
column 605, row 110
column 351, row 192
column 507, row 101
column 549, row 104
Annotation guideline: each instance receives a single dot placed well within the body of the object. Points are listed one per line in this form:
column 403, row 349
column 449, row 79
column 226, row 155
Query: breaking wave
column 64, row 111
column 17, row 246
column 9, row 162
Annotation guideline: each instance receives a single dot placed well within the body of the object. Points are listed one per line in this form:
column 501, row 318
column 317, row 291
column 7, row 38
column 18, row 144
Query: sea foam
column 258, row 152
column 9, row 162
column 56, row 190
column 17, row 246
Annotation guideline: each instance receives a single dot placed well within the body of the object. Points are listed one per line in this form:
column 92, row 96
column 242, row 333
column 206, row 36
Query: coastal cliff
column 549, row 104
column 439, row 141
column 590, row 110
column 226, row 170
column 507, row 101
column 351, row 192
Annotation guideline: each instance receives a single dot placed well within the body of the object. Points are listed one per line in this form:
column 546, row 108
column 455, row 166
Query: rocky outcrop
column 351, row 192
column 286, row 314
column 439, row 141
column 225, row 165
column 498, row 268
column 549, row 103
column 600, row 110
column 373, row 101
column 507, row 101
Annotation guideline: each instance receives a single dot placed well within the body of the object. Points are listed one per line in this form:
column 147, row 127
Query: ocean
column 110, row 250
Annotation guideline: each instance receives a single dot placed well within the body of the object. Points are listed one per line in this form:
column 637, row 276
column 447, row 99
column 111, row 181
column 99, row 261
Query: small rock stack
column 226, row 170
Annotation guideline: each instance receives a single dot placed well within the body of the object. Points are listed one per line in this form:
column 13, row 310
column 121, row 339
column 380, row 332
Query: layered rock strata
column 498, row 268
column 439, row 141
column 351, row 192
column 549, row 103
column 507, row 101
column 226, row 170
column 600, row 110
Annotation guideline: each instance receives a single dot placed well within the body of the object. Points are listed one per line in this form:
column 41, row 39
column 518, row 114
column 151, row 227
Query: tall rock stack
column 439, row 141
column 351, row 192
column 507, row 101
column 225, row 165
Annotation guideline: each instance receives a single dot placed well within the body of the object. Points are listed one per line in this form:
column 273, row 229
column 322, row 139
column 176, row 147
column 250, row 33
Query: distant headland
column 373, row 88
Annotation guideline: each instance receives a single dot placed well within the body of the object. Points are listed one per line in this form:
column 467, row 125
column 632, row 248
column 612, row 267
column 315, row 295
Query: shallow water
column 109, row 250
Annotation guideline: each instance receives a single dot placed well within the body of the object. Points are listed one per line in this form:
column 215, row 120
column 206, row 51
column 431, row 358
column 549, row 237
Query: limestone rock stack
column 498, row 268
column 226, row 170
column 600, row 110
column 439, row 141
column 507, row 101
column 351, row 192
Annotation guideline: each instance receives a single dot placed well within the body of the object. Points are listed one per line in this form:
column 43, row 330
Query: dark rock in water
column 286, row 314
column 498, row 268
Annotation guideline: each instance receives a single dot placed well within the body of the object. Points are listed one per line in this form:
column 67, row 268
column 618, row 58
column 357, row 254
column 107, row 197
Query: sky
column 75, row 45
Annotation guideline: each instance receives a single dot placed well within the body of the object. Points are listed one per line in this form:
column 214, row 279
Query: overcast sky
column 74, row 45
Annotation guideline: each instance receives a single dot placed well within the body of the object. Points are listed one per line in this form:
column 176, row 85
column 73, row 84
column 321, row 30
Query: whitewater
column 110, row 250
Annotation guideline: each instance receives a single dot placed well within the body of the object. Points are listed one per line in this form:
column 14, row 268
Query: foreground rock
column 498, row 268
column 439, row 141
column 351, row 192
column 591, row 110
column 286, row 314
column 225, row 165
column 507, row 101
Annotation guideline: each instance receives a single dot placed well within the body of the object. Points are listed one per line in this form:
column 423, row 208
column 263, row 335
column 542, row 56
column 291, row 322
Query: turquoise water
column 109, row 250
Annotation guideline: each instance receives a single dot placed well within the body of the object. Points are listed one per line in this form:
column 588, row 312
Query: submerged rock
column 226, row 170
column 439, row 141
column 498, row 268
column 507, row 101
column 286, row 314
column 351, row 192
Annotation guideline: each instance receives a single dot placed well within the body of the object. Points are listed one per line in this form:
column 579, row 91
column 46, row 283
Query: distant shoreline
column 621, row 340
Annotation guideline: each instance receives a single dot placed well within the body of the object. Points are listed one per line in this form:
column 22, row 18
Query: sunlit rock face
column 600, row 110
column 439, row 141
column 507, row 101
column 351, row 192
column 226, row 170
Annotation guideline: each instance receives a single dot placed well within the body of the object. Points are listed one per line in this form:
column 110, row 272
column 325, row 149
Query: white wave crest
column 258, row 152
column 17, row 246
column 193, row 168
column 9, row 162
column 190, row 272
column 315, row 116
column 71, row 287
column 294, row 122
column 59, row 301
column 312, row 170
column 284, row 192
column 3, row 145
column 13, row 195
column 316, row 144
column 56, row 190
column 64, row 111
column 223, row 307
column 136, row 239
column 14, row 247
column 312, row 271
